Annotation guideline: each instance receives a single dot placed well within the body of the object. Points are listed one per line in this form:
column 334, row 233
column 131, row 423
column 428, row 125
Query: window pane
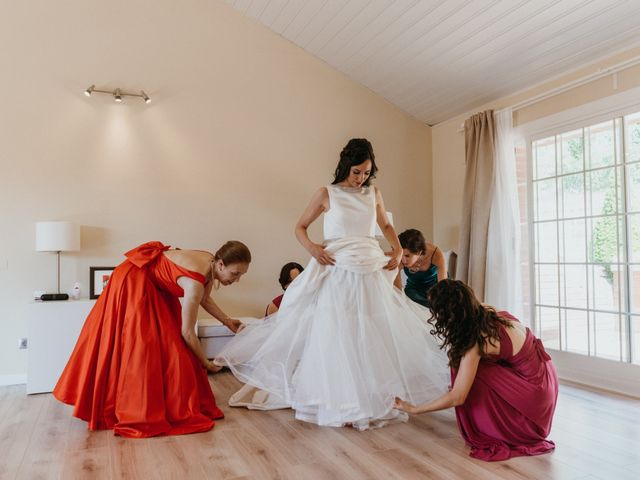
column 621, row 202
column 545, row 200
column 634, row 238
column 572, row 152
column 607, row 335
column 573, row 241
column 634, row 287
column 547, row 284
column 573, row 286
column 601, row 192
column 586, row 228
column 604, row 290
column 603, row 239
column 575, row 334
column 635, row 341
column 632, row 137
column 549, row 327
column 601, row 151
column 547, row 242
column 544, row 154
column 572, row 196
column 633, row 187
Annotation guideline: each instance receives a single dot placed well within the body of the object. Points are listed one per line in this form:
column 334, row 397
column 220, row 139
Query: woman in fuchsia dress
column 504, row 385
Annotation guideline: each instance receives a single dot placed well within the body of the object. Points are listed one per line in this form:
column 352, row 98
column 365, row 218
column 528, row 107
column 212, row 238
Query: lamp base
column 45, row 297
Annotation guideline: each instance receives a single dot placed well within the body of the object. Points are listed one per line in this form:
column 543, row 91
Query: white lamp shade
column 378, row 231
column 57, row 237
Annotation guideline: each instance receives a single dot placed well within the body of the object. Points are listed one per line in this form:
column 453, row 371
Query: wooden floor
column 597, row 437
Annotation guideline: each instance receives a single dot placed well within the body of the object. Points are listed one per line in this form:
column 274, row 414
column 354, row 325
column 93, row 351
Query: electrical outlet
column 22, row 343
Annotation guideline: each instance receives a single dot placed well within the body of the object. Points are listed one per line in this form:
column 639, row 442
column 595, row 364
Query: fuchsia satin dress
column 510, row 406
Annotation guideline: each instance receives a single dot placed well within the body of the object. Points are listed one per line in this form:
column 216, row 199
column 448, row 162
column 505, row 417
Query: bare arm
column 438, row 261
column 271, row 309
column 193, row 292
column 458, row 394
column 389, row 233
column 398, row 281
column 213, row 309
column 319, row 203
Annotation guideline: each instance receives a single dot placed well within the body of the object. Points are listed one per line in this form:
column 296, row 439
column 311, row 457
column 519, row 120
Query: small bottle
column 74, row 293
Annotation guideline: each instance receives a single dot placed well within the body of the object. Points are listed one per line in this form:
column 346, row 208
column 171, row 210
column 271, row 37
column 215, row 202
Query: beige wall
column 448, row 139
column 243, row 128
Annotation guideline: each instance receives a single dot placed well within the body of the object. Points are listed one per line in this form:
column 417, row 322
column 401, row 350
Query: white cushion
column 214, row 335
column 211, row 327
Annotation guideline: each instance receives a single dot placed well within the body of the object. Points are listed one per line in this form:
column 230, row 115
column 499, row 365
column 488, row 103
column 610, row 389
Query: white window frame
column 612, row 375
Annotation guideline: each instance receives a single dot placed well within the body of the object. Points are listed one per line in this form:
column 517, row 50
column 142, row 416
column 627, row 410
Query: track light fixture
column 117, row 94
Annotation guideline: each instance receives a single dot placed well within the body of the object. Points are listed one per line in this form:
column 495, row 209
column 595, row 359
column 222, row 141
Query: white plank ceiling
column 437, row 59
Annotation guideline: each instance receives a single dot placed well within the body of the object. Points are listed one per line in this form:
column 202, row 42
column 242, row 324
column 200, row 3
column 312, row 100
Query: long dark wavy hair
column 461, row 321
column 357, row 151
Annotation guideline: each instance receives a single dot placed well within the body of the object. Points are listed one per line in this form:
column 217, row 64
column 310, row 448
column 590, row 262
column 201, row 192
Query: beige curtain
column 479, row 133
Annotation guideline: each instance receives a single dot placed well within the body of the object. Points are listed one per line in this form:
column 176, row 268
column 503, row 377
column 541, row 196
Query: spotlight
column 118, row 94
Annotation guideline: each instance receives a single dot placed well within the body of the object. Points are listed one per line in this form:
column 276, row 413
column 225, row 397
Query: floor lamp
column 57, row 237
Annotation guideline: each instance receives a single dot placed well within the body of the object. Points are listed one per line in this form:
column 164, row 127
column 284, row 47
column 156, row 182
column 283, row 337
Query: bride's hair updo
column 357, row 151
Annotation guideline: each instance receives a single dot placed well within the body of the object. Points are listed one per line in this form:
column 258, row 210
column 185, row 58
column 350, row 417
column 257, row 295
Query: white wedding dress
column 345, row 341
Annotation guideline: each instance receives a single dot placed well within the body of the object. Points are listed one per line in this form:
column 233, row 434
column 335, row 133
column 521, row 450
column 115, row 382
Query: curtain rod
column 601, row 72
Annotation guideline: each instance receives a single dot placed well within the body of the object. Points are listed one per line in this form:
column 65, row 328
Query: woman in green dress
column 423, row 264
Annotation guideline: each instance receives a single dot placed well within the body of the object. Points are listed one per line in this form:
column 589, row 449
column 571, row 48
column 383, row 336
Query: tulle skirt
column 343, row 345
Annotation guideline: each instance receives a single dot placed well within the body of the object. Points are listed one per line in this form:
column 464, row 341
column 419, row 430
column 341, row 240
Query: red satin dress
column 510, row 406
column 131, row 370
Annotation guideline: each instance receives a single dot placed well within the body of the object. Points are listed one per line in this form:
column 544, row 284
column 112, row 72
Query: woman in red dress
column 138, row 367
column 505, row 386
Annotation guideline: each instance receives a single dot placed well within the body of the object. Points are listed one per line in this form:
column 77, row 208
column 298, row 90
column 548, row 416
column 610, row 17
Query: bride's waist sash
column 356, row 254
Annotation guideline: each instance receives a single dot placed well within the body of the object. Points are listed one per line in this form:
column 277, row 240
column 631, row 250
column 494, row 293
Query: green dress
column 419, row 283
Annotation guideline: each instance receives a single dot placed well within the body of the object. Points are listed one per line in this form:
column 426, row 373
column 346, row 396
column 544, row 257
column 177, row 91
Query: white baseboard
column 16, row 379
column 599, row 373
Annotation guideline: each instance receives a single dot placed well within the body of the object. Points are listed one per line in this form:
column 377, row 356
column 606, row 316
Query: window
column 585, row 239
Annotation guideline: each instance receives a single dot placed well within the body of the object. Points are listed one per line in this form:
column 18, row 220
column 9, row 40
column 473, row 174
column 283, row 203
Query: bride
column 345, row 341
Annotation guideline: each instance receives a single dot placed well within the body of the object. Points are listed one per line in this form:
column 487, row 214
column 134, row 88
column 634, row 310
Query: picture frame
column 98, row 278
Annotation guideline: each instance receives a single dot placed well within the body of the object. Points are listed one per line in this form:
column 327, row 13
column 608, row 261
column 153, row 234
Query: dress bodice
column 163, row 271
column 422, row 279
column 352, row 212
column 530, row 361
column 419, row 283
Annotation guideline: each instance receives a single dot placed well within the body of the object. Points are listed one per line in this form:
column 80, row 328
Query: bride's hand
column 320, row 254
column 394, row 260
